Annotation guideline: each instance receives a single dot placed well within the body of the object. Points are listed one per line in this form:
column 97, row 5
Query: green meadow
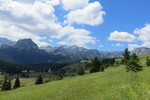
column 112, row 84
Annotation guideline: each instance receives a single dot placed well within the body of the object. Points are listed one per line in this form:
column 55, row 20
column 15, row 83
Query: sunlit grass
column 112, row 84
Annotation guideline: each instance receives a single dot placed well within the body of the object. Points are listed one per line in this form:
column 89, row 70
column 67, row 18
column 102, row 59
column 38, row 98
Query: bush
column 148, row 61
column 81, row 71
column 47, row 80
column 60, row 77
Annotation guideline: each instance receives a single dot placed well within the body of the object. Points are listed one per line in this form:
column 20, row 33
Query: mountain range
column 4, row 41
column 141, row 51
column 25, row 51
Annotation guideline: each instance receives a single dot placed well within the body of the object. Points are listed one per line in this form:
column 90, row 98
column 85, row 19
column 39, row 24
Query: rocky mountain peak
column 25, row 44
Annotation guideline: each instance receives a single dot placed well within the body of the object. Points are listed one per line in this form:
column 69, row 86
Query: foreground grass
column 113, row 84
column 98, row 86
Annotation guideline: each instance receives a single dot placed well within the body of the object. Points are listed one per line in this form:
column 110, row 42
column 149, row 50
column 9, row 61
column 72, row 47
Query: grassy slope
column 25, row 81
column 97, row 86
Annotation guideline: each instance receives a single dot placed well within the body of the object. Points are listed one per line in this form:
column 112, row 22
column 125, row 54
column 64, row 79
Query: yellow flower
column 131, row 92
column 142, row 85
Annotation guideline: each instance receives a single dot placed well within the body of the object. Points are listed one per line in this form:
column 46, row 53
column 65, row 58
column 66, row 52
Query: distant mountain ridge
column 25, row 51
column 25, row 44
column 141, row 51
column 4, row 41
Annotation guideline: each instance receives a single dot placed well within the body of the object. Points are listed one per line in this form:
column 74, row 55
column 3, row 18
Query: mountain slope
column 77, row 53
column 4, row 41
column 141, row 51
column 24, row 51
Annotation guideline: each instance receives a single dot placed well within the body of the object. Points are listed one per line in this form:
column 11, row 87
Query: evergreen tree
column 3, row 87
column 95, row 65
column 81, row 71
column 27, row 76
column 39, row 80
column 102, row 68
column 17, row 83
column 148, row 61
column 6, row 84
column 126, row 56
column 132, row 64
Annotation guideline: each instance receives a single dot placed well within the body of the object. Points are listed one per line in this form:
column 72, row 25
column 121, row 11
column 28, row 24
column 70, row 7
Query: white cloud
column 101, row 46
column 89, row 15
column 50, row 2
column 37, row 17
column 121, row 36
column 117, row 45
column 53, row 2
column 14, row 33
column 74, row 4
column 74, row 36
column 144, row 35
column 32, row 18
column 133, row 46
column 27, row 20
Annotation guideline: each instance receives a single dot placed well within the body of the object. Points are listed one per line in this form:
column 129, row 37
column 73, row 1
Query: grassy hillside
column 113, row 84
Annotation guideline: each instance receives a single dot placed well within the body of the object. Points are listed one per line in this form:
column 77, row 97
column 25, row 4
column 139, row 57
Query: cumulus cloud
column 117, row 45
column 37, row 17
column 133, row 46
column 50, row 2
column 74, row 36
column 14, row 33
column 144, row 35
column 121, row 36
column 74, row 4
column 30, row 18
column 92, row 14
column 27, row 20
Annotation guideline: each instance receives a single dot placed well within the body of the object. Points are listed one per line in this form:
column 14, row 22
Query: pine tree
column 3, row 87
column 148, row 61
column 8, row 85
column 39, row 80
column 81, row 71
column 102, row 68
column 126, row 56
column 27, row 75
column 17, row 83
column 95, row 65
column 132, row 64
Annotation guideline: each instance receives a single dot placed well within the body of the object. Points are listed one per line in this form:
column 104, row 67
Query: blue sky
column 98, row 24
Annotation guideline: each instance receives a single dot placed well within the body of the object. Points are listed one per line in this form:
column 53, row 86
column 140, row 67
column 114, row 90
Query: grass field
column 25, row 81
column 113, row 84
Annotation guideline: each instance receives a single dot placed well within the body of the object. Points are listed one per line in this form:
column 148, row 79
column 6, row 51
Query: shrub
column 81, row 71
column 148, row 61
